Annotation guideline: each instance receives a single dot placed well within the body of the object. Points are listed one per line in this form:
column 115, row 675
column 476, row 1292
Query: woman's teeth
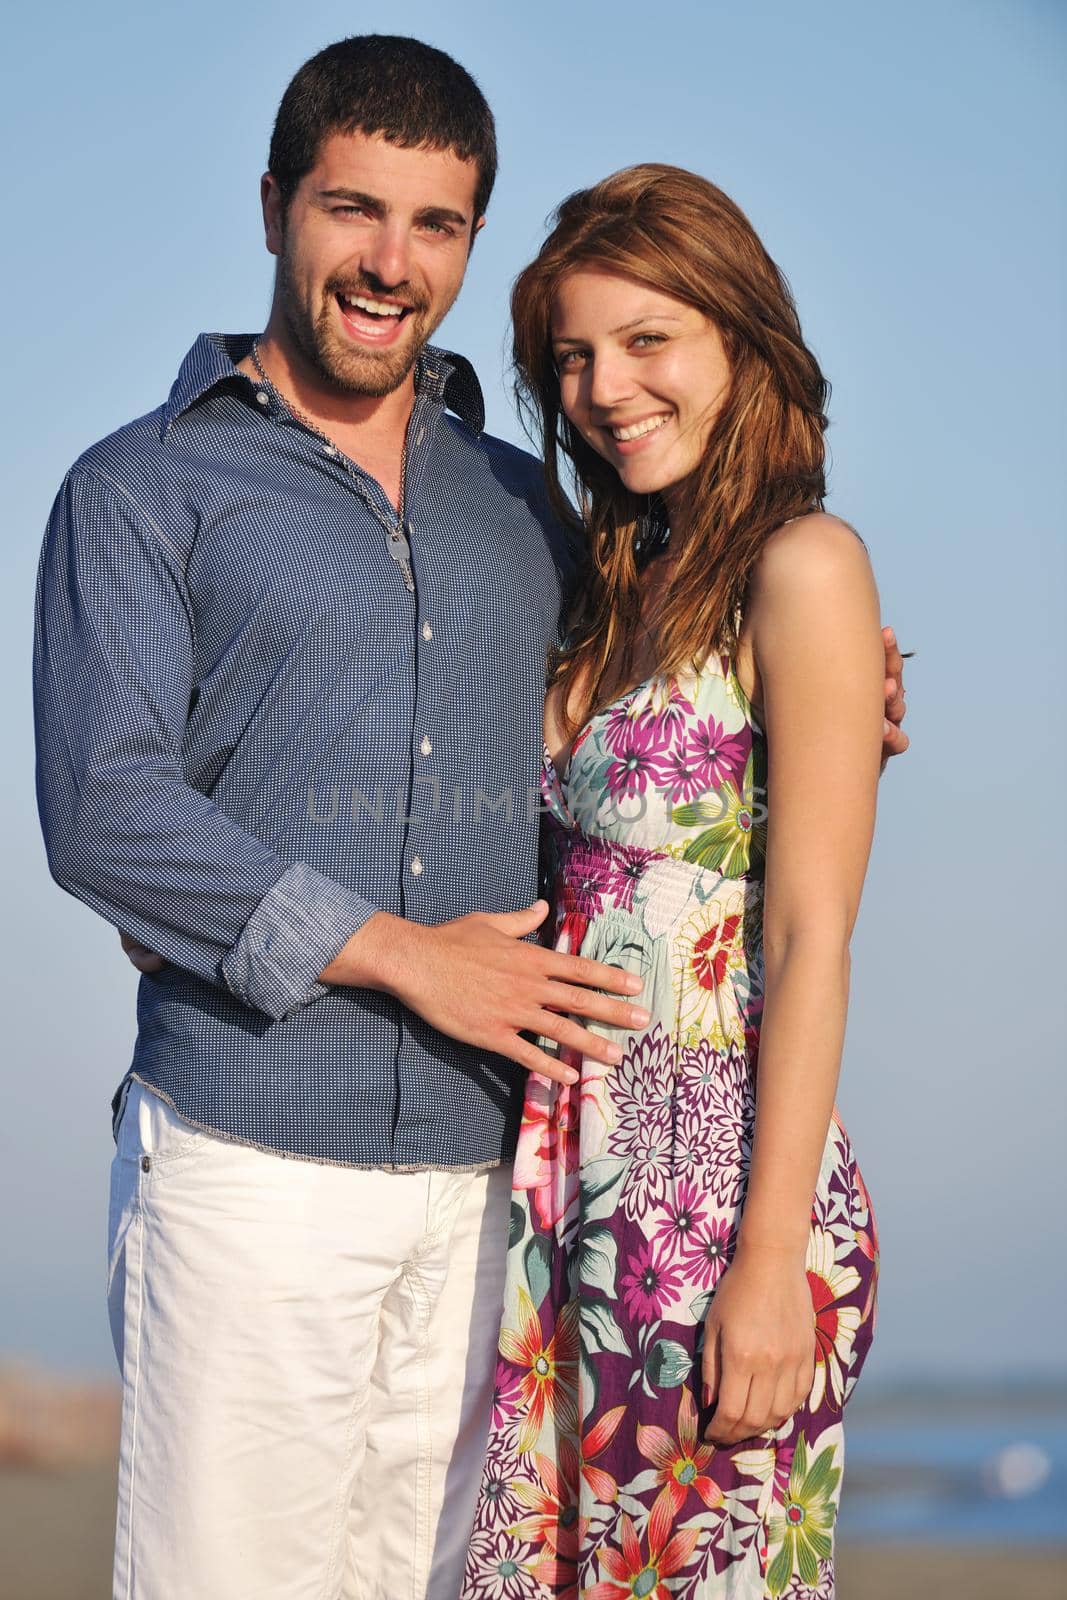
column 637, row 430
column 377, row 308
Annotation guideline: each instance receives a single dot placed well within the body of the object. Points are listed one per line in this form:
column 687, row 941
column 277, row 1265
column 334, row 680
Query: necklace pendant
column 400, row 551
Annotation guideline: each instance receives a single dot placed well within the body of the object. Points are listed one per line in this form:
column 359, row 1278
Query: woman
column 692, row 1263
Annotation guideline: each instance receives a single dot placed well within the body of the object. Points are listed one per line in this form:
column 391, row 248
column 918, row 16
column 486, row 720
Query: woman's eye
column 570, row 359
column 646, row 341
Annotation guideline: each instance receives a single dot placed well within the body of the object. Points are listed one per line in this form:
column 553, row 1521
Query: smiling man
column 289, row 675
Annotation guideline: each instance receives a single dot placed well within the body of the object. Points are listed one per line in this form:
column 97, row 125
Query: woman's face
column 642, row 376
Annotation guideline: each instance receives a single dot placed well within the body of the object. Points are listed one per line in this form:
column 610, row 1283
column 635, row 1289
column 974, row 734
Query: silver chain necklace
column 395, row 538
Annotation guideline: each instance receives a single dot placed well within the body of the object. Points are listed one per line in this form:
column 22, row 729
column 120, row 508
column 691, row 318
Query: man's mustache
column 403, row 294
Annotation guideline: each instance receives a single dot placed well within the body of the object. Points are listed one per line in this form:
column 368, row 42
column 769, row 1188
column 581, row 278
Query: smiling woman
column 691, row 1283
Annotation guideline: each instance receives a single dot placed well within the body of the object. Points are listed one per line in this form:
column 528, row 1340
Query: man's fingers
column 894, row 701
column 592, row 974
column 894, row 740
column 894, row 661
column 534, row 1060
column 575, row 1037
column 139, row 955
column 588, row 1003
column 516, row 923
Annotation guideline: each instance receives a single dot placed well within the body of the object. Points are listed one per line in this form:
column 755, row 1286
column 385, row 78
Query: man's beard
column 369, row 372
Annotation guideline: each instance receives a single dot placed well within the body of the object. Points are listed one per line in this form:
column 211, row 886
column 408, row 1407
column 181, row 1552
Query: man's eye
column 350, row 211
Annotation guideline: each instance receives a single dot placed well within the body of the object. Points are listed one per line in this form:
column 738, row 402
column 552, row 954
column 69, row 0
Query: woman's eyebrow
column 648, row 316
column 624, row 327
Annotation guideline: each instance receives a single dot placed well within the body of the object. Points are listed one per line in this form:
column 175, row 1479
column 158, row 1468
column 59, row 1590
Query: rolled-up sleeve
column 124, row 832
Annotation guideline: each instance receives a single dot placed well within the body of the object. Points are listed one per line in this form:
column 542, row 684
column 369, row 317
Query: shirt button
column 416, row 865
column 328, row 450
column 427, row 631
column 425, row 746
column 263, row 397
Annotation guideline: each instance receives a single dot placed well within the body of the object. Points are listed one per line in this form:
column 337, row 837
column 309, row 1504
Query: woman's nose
column 609, row 383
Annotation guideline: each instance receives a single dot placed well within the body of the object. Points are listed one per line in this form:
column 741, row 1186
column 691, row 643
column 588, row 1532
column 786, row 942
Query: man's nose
column 386, row 255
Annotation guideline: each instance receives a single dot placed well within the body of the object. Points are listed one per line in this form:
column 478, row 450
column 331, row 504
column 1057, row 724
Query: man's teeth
column 637, row 430
column 380, row 308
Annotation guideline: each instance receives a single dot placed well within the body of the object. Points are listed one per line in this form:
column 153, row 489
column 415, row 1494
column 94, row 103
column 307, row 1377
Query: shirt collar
column 441, row 375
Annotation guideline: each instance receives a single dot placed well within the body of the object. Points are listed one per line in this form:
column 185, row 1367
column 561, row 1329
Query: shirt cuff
column 298, row 928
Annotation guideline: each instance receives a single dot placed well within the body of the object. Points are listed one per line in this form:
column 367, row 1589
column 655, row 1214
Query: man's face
column 372, row 254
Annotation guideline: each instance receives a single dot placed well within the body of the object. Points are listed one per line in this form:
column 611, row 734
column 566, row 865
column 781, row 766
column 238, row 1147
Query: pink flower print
column 684, row 1216
column 706, row 1252
column 546, row 1158
column 620, row 720
column 650, row 1282
column 684, row 774
column 722, row 755
column 639, row 752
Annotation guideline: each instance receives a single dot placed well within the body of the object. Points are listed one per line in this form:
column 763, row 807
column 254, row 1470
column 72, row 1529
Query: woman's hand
column 759, row 1345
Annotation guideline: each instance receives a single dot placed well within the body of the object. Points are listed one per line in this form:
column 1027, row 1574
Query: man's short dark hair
column 410, row 93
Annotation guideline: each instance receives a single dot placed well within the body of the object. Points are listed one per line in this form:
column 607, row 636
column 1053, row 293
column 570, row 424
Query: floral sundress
column 628, row 1189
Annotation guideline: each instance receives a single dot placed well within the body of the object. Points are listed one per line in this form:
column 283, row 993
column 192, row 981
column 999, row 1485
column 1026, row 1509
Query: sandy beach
column 56, row 1533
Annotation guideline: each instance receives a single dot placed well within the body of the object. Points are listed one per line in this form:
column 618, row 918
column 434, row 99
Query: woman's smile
column 642, row 375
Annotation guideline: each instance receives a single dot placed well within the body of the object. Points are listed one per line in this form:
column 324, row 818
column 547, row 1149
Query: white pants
column 307, row 1357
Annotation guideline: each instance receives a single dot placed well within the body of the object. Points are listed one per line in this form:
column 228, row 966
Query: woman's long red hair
column 764, row 461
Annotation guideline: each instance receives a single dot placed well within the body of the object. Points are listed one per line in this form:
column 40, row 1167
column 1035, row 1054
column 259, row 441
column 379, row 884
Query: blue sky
column 905, row 166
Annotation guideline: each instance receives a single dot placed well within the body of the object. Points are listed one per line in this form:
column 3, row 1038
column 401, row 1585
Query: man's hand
column 143, row 959
column 895, row 741
column 476, row 979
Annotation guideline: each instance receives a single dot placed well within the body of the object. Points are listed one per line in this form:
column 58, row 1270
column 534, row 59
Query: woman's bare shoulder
column 812, row 554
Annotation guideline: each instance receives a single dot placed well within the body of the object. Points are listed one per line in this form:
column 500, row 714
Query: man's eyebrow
column 624, row 327
column 370, row 202
column 441, row 214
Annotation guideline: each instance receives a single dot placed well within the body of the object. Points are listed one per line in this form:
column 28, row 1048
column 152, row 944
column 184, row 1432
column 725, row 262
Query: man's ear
column 475, row 231
column 270, row 196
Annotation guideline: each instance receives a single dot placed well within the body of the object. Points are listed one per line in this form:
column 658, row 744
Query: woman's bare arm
column 813, row 628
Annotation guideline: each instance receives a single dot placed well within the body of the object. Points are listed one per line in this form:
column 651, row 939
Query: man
column 289, row 672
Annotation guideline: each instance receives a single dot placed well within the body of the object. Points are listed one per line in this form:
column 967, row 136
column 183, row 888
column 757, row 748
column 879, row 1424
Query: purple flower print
column 500, row 1505
column 698, row 1071
column 641, row 1091
column 506, row 1397
column 650, row 1282
column 498, row 1568
column 722, row 755
column 624, row 872
column 706, row 1252
column 728, row 1131
column 589, row 876
column 683, row 1216
column 645, row 1183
